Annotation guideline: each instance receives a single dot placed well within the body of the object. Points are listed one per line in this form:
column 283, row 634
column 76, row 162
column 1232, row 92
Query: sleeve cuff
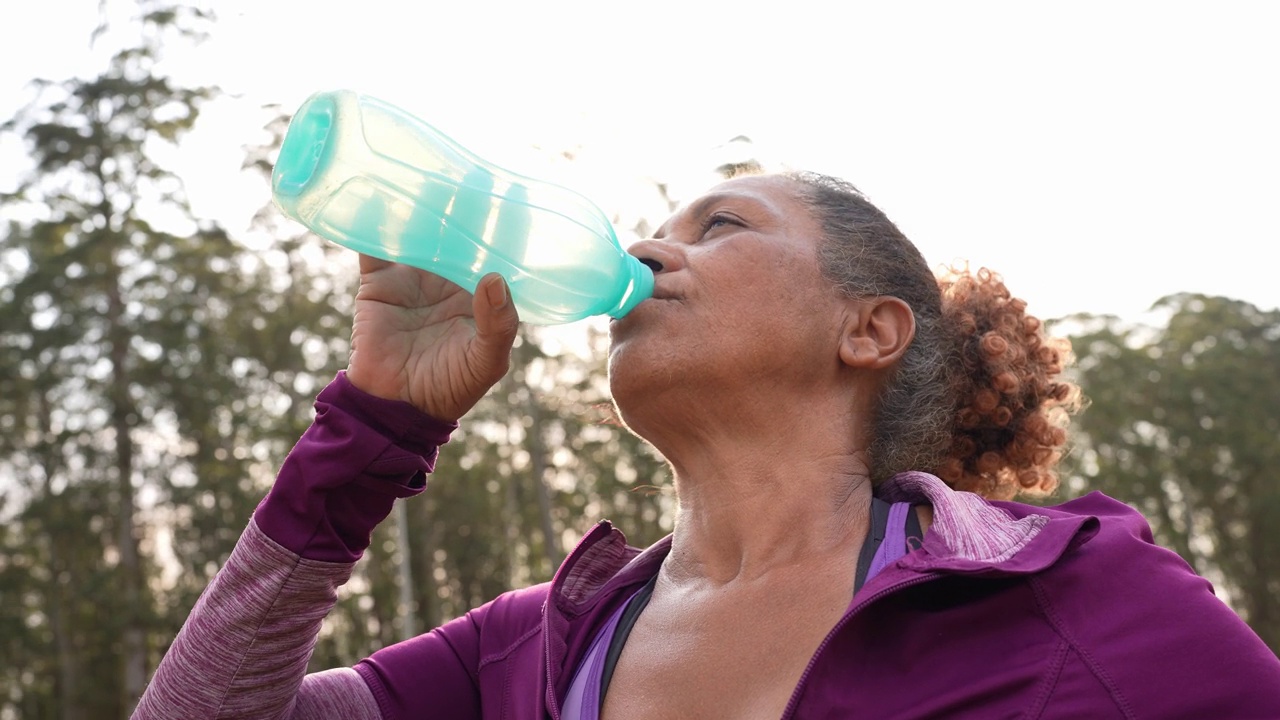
column 345, row 473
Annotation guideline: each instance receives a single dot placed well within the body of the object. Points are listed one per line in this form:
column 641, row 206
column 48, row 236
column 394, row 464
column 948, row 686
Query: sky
column 1099, row 155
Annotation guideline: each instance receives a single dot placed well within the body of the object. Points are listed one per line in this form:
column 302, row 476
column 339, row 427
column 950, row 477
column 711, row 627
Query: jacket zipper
column 804, row 677
column 550, row 694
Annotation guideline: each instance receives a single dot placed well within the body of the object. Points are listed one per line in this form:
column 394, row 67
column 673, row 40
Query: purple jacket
column 1007, row 610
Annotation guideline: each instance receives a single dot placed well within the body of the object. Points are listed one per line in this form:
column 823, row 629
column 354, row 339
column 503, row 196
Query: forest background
column 163, row 330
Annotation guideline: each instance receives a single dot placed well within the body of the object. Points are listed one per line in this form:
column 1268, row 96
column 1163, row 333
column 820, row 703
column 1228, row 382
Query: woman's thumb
column 496, row 324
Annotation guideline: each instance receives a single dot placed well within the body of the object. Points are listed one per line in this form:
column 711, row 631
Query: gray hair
column 865, row 255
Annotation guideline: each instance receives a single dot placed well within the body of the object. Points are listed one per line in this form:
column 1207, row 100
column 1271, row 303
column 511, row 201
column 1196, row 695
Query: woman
column 800, row 367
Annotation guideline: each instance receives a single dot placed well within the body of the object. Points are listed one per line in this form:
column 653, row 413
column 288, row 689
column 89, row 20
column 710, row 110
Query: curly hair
column 1013, row 408
column 976, row 398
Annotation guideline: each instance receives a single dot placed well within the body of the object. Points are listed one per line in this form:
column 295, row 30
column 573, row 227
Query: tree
column 147, row 359
column 1185, row 425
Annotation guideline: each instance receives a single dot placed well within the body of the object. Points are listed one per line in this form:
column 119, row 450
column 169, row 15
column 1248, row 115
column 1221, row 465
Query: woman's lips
column 657, row 299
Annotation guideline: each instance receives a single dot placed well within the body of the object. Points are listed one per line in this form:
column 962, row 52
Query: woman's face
column 739, row 299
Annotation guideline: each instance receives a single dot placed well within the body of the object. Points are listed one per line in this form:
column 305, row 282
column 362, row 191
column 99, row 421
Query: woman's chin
column 636, row 378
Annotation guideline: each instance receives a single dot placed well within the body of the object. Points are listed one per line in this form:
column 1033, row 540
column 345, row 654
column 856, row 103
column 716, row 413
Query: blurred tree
column 1185, row 425
column 145, row 359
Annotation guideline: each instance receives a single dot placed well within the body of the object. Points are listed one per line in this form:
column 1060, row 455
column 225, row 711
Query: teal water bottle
column 369, row 176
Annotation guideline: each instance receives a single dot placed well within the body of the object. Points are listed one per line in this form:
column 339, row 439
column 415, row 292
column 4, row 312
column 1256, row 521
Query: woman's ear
column 876, row 332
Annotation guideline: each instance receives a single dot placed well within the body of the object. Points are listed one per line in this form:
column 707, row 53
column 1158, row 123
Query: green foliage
column 1185, row 425
column 150, row 383
column 153, row 374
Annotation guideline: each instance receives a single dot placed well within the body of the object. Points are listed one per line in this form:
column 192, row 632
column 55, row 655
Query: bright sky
column 1098, row 154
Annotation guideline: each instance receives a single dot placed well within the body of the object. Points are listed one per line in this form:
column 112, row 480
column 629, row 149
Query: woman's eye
column 716, row 220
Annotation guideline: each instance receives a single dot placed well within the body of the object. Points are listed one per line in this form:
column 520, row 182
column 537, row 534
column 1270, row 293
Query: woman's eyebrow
column 700, row 207
column 754, row 204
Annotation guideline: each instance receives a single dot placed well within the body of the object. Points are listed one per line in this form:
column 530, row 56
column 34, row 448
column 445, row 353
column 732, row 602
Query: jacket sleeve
column 243, row 651
column 486, row 662
column 1152, row 633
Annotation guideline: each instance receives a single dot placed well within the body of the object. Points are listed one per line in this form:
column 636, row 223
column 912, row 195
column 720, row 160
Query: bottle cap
column 304, row 148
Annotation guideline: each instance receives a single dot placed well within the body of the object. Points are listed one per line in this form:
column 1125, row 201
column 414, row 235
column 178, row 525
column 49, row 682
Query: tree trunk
column 408, row 608
column 69, row 705
column 123, row 417
column 1259, row 598
column 538, row 465
column 428, row 592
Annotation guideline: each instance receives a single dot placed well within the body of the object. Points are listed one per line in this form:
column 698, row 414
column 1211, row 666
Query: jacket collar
column 968, row 535
column 600, row 574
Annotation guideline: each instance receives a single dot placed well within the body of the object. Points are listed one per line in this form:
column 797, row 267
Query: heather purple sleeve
column 244, row 649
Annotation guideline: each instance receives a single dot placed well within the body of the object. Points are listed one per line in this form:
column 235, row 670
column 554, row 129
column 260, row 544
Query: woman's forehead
column 776, row 188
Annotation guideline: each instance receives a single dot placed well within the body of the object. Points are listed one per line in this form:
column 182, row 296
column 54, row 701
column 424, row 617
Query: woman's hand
column 422, row 339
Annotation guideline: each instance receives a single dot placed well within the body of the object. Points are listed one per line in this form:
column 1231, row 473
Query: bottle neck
column 639, row 287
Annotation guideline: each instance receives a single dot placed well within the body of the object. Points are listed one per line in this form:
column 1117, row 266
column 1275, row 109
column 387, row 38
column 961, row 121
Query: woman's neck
column 755, row 502
column 769, row 474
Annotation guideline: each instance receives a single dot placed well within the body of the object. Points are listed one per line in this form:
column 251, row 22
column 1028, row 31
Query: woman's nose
column 657, row 255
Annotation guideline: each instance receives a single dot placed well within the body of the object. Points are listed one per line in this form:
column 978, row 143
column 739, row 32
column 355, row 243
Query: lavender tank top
column 583, row 700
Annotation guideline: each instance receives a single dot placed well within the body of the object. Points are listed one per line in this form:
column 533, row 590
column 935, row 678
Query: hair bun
column 1012, row 406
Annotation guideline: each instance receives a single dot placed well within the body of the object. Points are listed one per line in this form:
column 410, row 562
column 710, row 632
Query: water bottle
column 369, row 176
